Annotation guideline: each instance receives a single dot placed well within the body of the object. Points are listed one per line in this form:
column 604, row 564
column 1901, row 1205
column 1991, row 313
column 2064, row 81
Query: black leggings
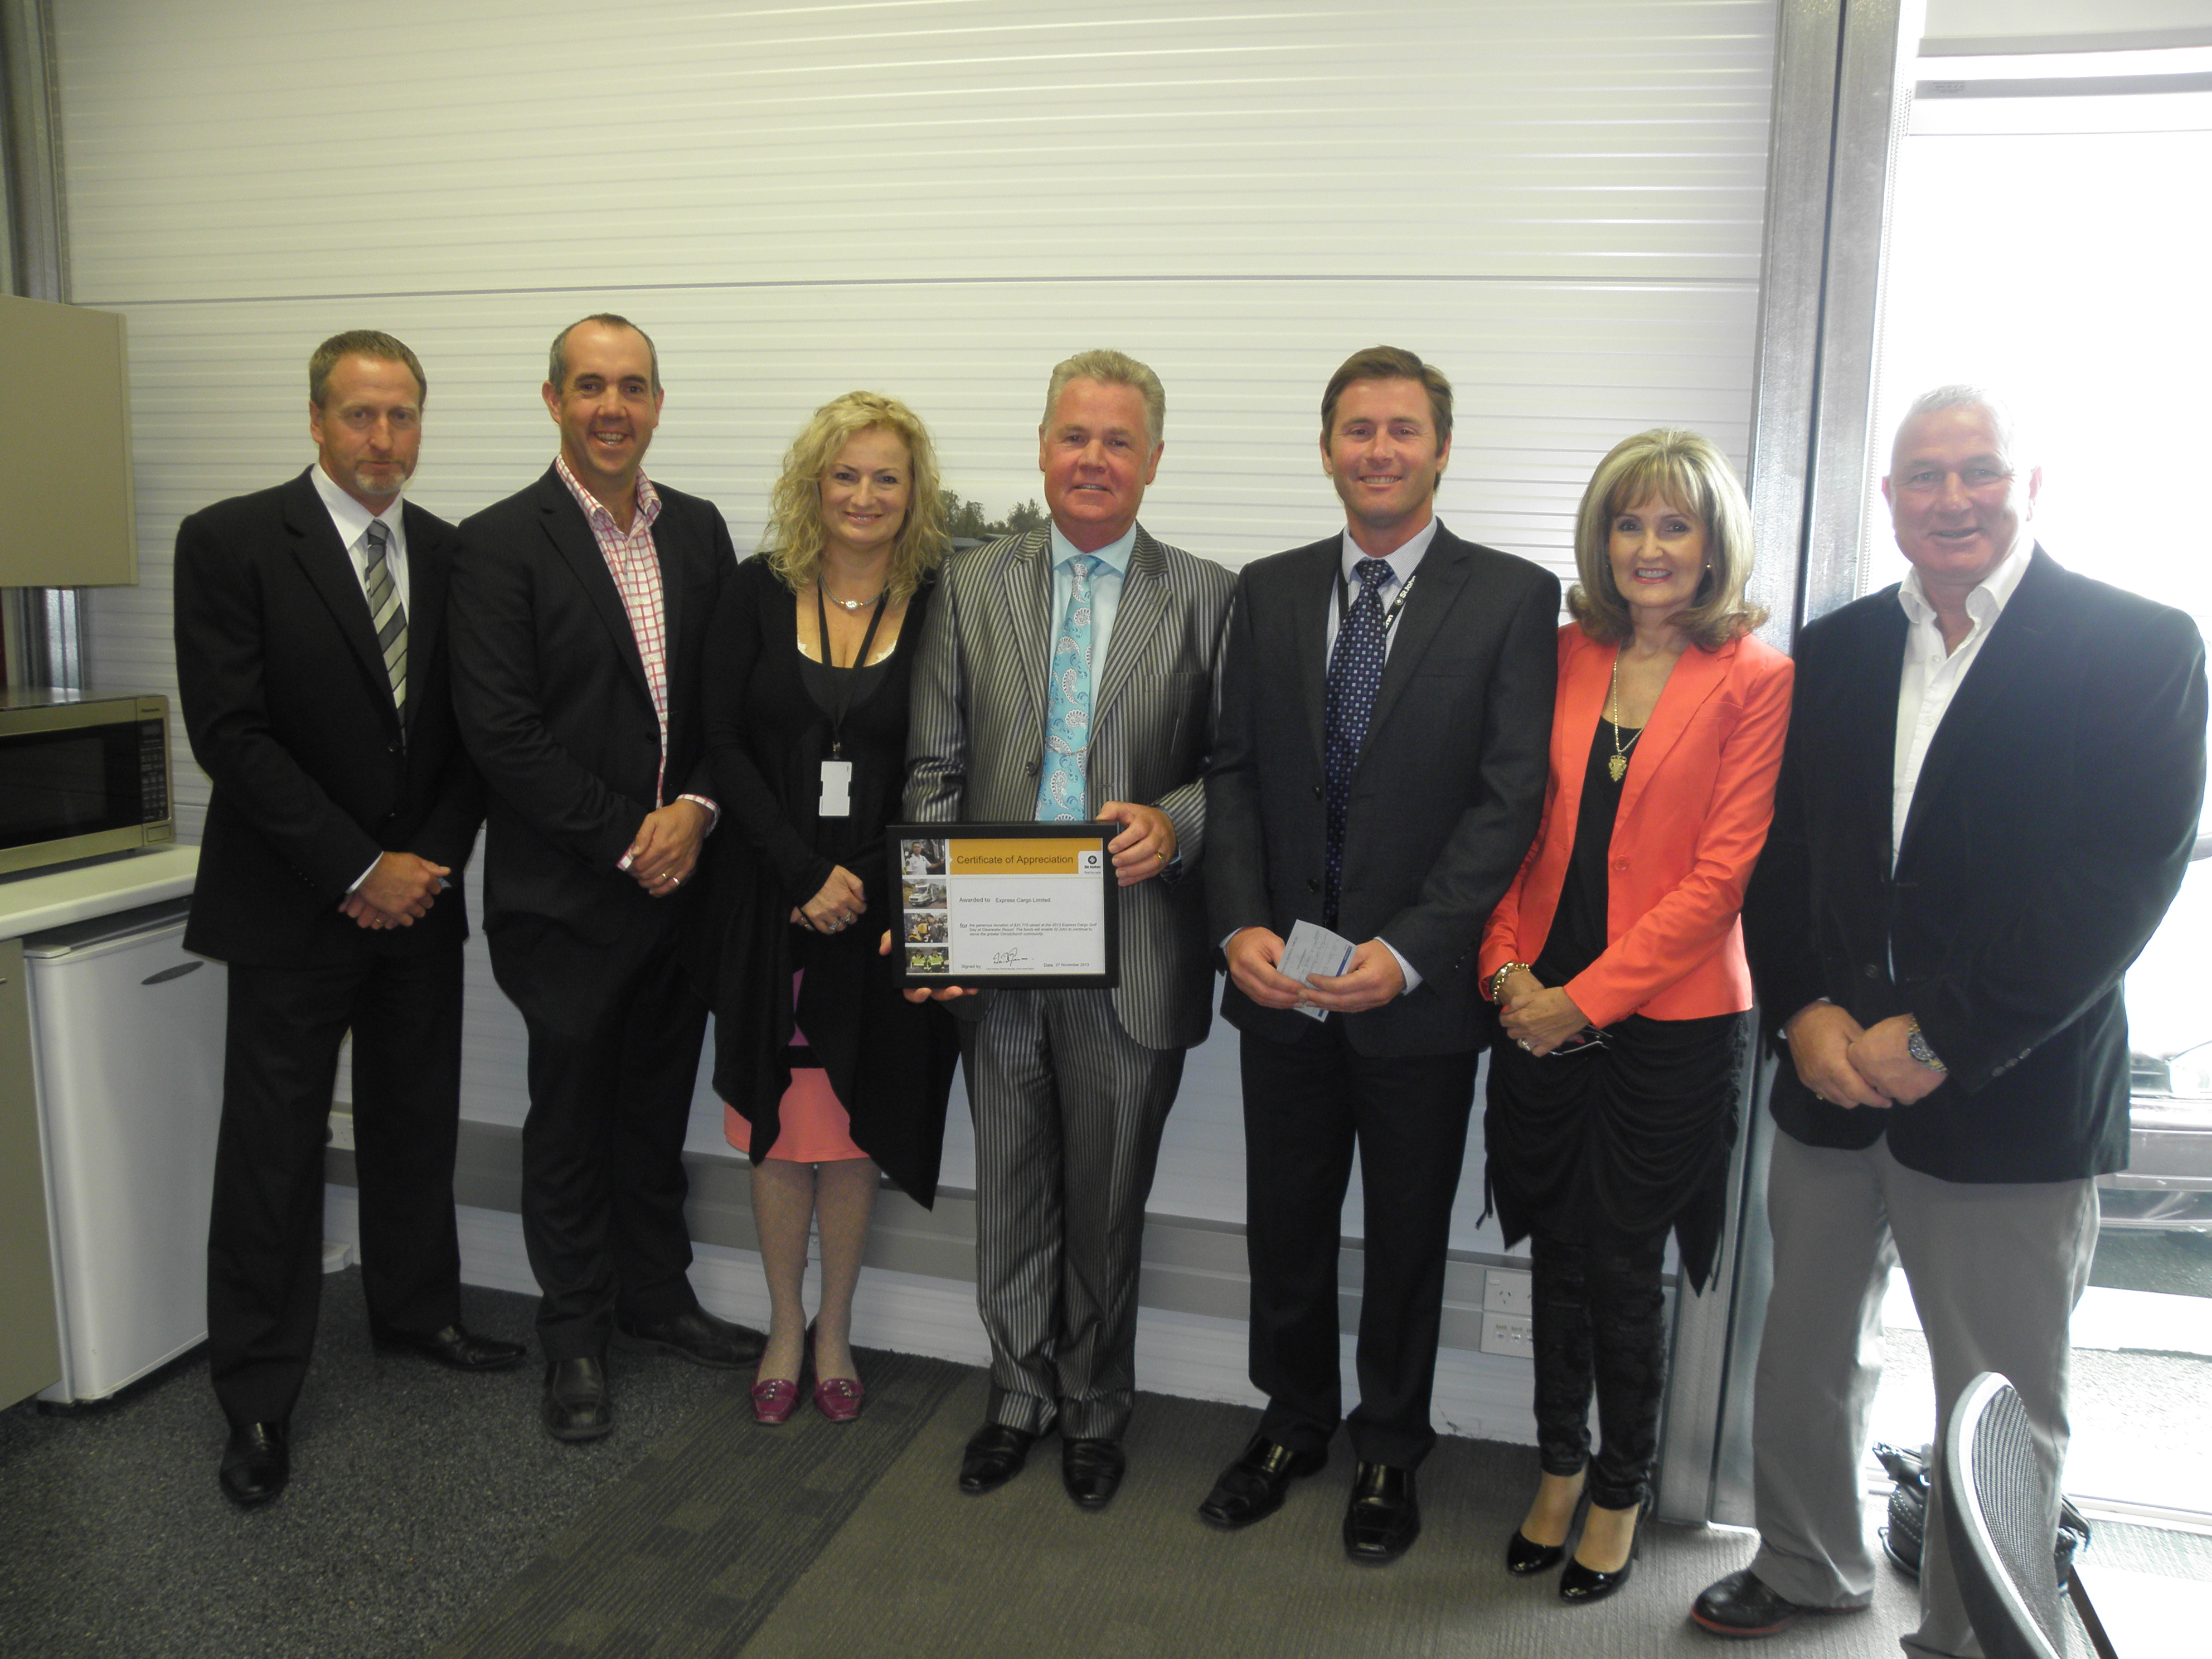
column 1599, row 1315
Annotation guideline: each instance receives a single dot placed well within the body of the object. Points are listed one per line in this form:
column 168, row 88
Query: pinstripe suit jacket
column 976, row 745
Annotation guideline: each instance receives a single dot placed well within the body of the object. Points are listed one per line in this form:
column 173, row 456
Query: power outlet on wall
column 1506, row 1291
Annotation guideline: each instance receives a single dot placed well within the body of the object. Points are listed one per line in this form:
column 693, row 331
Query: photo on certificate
column 1007, row 904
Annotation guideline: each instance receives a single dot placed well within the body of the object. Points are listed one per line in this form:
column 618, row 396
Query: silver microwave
column 81, row 775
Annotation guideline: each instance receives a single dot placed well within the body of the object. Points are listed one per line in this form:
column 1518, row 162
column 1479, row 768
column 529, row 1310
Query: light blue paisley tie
column 1062, row 792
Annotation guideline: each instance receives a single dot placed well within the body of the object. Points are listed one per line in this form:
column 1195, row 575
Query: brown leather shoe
column 1254, row 1486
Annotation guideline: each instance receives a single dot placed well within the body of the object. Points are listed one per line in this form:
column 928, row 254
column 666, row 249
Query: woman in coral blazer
column 1616, row 959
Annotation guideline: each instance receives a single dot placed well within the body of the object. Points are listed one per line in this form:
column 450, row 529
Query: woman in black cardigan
column 830, row 1075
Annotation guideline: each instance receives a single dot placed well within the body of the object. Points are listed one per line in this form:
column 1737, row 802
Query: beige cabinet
column 30, row 1349
column 65, row 475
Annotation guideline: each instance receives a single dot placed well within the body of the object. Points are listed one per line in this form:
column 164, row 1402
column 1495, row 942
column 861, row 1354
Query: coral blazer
column 1694, row 811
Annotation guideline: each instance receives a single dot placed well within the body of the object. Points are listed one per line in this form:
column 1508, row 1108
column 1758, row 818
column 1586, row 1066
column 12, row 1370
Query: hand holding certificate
column 1026, row 904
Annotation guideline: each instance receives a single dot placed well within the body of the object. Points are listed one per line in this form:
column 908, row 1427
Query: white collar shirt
column 1403, row 561
column 351, row 520
column 1931, row 677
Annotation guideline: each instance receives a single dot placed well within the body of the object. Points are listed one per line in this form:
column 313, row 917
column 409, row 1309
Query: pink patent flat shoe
column 775, row 1401
column 839, row 1398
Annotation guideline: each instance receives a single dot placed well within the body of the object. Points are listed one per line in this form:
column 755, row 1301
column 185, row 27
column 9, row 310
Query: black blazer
column 2051, row 826
column 1447, row 797
column 553, row 702
column 289, row 712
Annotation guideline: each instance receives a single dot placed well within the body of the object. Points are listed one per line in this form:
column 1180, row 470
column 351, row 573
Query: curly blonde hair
column 795, row 537
column 1688, row 473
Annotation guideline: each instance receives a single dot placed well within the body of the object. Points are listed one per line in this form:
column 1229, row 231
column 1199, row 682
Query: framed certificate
column 1005, row 904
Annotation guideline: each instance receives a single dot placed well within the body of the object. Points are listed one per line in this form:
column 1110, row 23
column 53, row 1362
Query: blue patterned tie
column 1355, row 669
column 1063, row 792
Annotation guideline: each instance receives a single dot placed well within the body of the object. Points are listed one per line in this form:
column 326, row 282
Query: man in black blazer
column 1385, row 715
column 311, row 658
column 1988, row 799
column 580, row 622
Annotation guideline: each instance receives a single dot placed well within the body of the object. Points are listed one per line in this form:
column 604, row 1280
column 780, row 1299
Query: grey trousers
column 1994, row 1272
column 1069, row 1110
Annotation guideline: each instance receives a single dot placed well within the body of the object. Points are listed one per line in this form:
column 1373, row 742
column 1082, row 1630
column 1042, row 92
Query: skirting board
column 918, row 1295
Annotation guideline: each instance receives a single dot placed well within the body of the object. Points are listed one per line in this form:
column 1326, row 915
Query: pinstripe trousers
column 1068, row 1109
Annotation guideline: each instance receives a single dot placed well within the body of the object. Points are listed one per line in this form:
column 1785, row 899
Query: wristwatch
column 1917, row 1046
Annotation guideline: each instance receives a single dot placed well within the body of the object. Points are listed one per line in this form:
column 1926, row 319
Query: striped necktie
column 385, row 613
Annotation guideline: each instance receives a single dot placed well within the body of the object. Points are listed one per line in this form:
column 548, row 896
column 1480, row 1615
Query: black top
column 1631, row 1140
column 768, row 732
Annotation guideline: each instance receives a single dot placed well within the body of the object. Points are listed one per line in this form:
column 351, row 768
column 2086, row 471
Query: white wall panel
column 1560, row 204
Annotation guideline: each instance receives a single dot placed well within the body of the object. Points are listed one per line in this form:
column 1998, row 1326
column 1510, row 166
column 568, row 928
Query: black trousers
column 1307, row 1105
column 614, row 1035
column 265, row 1229
column 1598, row 1320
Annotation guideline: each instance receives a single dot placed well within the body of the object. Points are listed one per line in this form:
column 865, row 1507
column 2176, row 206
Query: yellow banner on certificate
column 1032, row 856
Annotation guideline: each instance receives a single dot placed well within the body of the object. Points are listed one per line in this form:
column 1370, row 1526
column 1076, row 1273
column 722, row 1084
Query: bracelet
column 1498, row 979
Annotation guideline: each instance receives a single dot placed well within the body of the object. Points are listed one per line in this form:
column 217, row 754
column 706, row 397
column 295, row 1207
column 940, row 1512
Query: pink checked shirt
column 635, row 568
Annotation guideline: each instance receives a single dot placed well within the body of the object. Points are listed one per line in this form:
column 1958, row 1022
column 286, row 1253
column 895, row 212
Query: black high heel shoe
column 1580, row 1583
column 1525, row 1558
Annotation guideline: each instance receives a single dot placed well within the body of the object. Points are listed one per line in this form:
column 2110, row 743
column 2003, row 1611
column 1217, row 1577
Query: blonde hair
column 795, row 537
column 1685, row 471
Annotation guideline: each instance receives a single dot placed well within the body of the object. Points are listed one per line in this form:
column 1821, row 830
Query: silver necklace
column 823, row 588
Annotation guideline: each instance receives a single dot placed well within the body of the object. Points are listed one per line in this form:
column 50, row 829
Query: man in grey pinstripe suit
column 1070, row 1089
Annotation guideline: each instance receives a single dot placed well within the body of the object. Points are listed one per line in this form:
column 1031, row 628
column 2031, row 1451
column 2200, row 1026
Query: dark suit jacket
column 2050, row 828
column 290, row 711
column 1447, row 796
column 553, row 702
column 975, row 741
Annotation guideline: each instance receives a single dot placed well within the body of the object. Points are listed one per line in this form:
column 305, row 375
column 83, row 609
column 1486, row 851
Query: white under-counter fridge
column 127, row 1031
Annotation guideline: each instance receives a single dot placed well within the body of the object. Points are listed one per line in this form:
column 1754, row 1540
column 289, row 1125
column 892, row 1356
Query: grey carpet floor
column 429, row 1514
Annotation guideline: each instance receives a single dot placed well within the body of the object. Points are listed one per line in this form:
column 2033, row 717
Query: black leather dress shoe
column 699, row 1337
column 1254, row 1486
column 1740, row 1605
column 456, row 1346
column 1091, row 1471
column 1383, row 1519
column 257, row 1462
column 576, row 1407
column 995, row 1455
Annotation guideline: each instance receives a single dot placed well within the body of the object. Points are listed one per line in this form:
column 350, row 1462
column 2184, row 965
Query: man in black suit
column 311, row 658
column 1386, row 712
column 1988, row 799
column 579, row 621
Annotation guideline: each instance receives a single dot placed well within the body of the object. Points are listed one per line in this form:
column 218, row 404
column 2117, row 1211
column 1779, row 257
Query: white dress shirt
column 351, row 520
column 1932, row 676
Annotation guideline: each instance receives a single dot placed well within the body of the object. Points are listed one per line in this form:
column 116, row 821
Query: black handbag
column 1902, row 1539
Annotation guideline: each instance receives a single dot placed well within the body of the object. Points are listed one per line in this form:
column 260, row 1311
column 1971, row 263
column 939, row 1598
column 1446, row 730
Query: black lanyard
column 845, row 691
column 1389, row 616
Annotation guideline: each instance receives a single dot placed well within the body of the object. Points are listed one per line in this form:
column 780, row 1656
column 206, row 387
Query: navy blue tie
column 1355, row 669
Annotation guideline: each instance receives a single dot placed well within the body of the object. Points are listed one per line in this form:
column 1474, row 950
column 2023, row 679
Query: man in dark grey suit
column 1104, row 716
column 1386, row 710
column 1988, row 799
column 580, row 627
column 312, row 661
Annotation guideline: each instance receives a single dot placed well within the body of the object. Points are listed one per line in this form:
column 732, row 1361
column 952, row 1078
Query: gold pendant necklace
column 1617, row 765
